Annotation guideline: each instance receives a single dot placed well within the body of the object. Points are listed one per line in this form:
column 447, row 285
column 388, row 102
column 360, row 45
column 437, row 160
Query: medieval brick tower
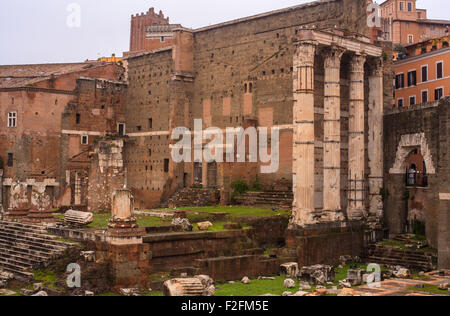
column 149, row 31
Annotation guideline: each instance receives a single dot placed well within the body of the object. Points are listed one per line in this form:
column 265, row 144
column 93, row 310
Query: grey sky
column 35, row 31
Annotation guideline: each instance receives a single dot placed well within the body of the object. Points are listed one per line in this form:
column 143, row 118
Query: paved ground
column 399, row 287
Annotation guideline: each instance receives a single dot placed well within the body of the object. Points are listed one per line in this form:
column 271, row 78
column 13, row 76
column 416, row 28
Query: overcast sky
column 36, row 31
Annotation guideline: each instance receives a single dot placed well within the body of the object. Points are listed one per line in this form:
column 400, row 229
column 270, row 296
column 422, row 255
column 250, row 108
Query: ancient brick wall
column 147, row 123
column 242, row 72
column 98, row 109
column 405, row 130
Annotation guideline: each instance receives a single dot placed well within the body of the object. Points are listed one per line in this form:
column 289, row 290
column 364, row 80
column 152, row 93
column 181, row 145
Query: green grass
column 197, row 214
column 238, row 211
column 47, row 277
column 101, row 221
column 432, row 289
column 255, row 288
column 402, row 245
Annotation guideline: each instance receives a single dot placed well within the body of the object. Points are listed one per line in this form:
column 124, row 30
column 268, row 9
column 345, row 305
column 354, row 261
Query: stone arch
column 407, row 143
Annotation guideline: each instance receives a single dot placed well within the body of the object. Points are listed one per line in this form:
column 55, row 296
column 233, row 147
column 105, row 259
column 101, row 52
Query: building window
column 410, row 39
column 412, row 78
column 409, row 6
column 438, row 93
column 150, row 123
column 149, row 152
column 400, row 103
column 78, row 118
column 139, row 128
column 425, row 96
column 121, row 129
column 12, row 119
column 401, row 6
column 84, row 140
column 412, row 100
column 424, row 73
column 440, row 70
column 163, row 39
column 10, row 159
column 166, row 165
column 400, row 81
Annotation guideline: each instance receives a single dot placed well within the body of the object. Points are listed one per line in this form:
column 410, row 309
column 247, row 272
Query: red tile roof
column 17, row 76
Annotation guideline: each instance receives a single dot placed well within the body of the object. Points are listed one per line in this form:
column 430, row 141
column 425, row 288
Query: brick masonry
column 433, row 123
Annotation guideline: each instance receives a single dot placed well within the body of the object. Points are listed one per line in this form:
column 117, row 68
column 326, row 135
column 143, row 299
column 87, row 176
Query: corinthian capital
column 376, row 67
column 305, row 53
column 332, row 56
column 357, row 63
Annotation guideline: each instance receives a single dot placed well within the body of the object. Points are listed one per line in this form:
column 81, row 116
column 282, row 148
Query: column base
column 356, row 214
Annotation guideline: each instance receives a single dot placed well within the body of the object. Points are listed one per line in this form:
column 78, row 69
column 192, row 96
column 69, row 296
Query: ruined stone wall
column 421, row 128
column 106, row 174
column 97, row 110
column 147, row 124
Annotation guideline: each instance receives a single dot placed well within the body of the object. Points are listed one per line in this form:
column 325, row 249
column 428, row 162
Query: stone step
column 32, row 256
column 32, row 242
column 18, row 271
column 21, row 261
column 36, row 249
column 400, row 256
column 396, row 262
column 22, row 250
column 35, row 228
column 33, row 237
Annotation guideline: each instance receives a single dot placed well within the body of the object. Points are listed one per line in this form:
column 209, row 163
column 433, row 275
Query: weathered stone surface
column 354, row 277
column 289, row 284
column 347, row 292
column 318, row 274
column 88, row 293
column 289, row 269
column 38, row 287
column 345, row 284
column 444, row 286
column 245, row 280
column 301, row 293
column 184, row 287
column 7, row 292
column 88, row 256
column 41, row 293
column 26, row 292
column 183, row 222
column 77, row 218
column 320, row 292
column 130, row 292
column 402, row 273
column 285, row 294
column 204, row 226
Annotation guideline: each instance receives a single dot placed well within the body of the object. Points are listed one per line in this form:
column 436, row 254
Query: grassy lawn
column 101, row 221
column 432, row 289
column 238, row 211
column 195, row 215
column 255, row 288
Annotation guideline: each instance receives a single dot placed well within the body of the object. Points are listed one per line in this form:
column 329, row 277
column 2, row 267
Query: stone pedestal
column 129, row 257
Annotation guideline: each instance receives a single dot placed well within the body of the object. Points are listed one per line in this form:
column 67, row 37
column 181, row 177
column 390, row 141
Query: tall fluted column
column 304, row 138
column 356, row 185
column 332, row 135
column 375, row 146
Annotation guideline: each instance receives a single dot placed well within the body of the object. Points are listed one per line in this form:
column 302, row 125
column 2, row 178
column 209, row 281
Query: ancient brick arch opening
column 407, row 146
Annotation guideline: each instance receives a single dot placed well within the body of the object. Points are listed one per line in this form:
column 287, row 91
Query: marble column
column 356, row 186
column 375, row 146
column 332, row 135
column 304, row 136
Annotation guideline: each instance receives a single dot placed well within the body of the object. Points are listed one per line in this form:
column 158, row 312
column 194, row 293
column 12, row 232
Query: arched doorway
column 416, row 169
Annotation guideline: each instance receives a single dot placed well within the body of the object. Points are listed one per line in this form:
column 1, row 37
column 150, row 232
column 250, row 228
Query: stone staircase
column 391, row 256
column 24, row 248
column 277, row 199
